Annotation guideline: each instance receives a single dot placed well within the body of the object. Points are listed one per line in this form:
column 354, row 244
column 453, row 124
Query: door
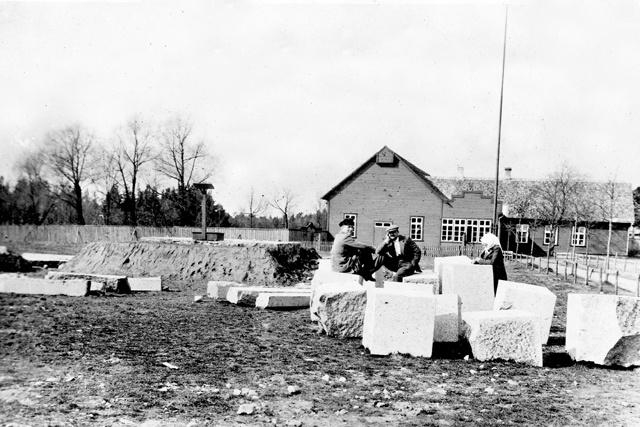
column 380, row 231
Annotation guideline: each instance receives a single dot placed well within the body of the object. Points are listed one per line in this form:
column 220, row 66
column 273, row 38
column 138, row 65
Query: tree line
column 71, row 177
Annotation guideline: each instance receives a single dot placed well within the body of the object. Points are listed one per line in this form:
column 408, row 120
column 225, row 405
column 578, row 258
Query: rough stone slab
column 427, row 279
column 504, row 334
column 247, row 295
column 448, row 321
column 218, row 289
column 324, row 264
column 145, row 284
column 282, row 301
column 604, row 329
column 535, row 299
column 32, row 257
column 398, row 321
column 112, row 283
column 329, row 279
column 473, row 283
column 439, row 262
column 34, row 286
column 408, row 287
column 341, row 312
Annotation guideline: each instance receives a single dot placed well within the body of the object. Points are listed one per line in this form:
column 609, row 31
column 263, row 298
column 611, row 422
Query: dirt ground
column 161, row 359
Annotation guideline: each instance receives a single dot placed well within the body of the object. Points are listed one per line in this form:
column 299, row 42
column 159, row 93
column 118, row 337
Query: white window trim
column 453, row 229
column 418, row 235
column 580, row 235
column 547, row 231
column 522, row 233
column 355, row 223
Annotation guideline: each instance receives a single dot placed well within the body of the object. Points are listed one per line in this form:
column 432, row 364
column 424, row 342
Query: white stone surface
column 448, row 323
column 603, row 329
column 46, row 257
column 427, row 279
column 398, row 321
column 504, row 334
column 439, row 262
column 330, row 280
column 218, row 289
column 473, row 283
column 408, row 287
column 247, row 295
column 341, row 312
column 34, row 286
column 535, row 299
column 113, row 283
column 324, row 264
column 288, row 300
column 145, row 284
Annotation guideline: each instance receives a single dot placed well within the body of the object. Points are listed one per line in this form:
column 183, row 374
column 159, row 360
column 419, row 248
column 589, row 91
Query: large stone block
column 283, row 301
column 427, row 279
column 473, row 283
column 112, row 283
column 334, row 281
column 504, row 334
column 145, row 284
column 448, row 323
column 341, row 312
column 324, row 264
column 218, row 289
column 246, row 295
column 439, row 262
column 604, row 329
column 398, row 321
column 408, row 287
column 34, row 286
column 535, row 299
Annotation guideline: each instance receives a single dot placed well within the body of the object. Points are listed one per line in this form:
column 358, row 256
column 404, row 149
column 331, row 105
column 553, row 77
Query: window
column 416, row 228
column 354, row 217
column 550, row 233
column 464, row 230
column 522, row 233
column 382, row 224
column 579, row 237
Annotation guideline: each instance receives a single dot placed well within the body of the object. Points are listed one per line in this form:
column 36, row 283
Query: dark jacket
column 494, row 257
column 410, row 254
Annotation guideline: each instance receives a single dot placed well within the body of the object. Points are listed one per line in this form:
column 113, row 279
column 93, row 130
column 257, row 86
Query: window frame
column 419, row 228
column 452, row 230
column 579, row 235
column 522, row 233
column 548, row 229
column 353, row 216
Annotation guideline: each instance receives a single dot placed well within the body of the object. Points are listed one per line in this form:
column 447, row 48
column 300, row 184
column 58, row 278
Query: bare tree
column 70, row 153
column 583, row 210
column 36, row 198
column 610, row 201
column 256, row 206
column 133, row 149
column 284, row 200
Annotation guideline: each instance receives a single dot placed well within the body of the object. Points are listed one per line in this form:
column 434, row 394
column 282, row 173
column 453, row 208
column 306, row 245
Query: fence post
column 601, row 283
column 638, row 287
column 586, row 276
column 575, row 274
column 539, row 264
column 565, row 270
column 556, row 266
column 616, row 282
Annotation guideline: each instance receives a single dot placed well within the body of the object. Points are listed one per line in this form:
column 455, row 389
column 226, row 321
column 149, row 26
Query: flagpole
column 504, row 55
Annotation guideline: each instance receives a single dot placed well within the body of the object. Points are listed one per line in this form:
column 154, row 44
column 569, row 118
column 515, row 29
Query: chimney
column 460, row 172
column 507, row 173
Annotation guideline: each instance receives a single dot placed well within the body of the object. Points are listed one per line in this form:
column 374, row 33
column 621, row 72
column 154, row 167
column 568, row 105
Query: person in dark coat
column 400, row 254
column 351, row 256
column 492, row 255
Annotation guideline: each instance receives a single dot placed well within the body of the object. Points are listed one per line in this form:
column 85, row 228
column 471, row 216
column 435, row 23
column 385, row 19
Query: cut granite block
column 341, row 312
column 439, row 262
column 283, row 301
column 218, row 289
column 247, row 295
column 448, row 323
column 504, row 334
column 427, row 279
column 399, row 322
column 409, row 287
column 35, row 286
column 145, row 284
column 329, row 279
column 535, row 299
column 112, row 283
column 604, row 329
column 472, row 283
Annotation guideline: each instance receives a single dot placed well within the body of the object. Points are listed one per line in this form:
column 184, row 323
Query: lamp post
column 203, row 187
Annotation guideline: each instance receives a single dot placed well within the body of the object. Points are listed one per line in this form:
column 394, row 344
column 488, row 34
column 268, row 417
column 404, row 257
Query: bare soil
column 162, row 359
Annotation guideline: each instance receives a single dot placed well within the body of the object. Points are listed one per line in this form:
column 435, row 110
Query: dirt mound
column 256, row 263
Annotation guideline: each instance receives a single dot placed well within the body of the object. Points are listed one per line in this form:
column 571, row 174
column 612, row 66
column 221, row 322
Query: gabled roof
column 422, row 175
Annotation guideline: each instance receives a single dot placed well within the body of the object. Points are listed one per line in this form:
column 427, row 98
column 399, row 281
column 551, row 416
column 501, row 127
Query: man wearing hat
column 351, row 256
column 400, row 254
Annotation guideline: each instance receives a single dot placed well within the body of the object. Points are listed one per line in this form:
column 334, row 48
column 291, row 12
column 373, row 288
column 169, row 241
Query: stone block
column 505, row 334
column 331, row 280
column 426, row 279
column 283, row 301
column 408, row 287
column 341, row 312
column 448, row 323
column 439, row 262
column 473, row 283
column 324, row 264
column 247, row 295
column 145, row 284
column 535, row 299
column 218, row 289
column 398, row 321
column 112, row 283
column 604, row 329
column 34, row 286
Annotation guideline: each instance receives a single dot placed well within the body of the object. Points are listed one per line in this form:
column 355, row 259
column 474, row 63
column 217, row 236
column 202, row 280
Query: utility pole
column 495, row 197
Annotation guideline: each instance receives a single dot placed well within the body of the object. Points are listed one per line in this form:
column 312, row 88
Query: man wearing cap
column 351, row 256
column 400, row 254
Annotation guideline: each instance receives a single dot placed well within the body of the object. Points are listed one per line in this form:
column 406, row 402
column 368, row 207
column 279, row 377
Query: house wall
column 387, row 193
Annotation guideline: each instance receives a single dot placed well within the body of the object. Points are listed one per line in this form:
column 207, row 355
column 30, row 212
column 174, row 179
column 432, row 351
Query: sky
column 297, row 95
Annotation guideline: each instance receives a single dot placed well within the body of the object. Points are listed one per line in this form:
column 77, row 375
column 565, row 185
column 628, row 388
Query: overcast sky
column 299, row 94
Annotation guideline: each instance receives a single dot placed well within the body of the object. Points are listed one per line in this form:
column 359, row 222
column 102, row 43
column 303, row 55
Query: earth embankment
column 251, row 262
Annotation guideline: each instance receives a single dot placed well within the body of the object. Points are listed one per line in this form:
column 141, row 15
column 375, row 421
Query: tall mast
column 504, row 54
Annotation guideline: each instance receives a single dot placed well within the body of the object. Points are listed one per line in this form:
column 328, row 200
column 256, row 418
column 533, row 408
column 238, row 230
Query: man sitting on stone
column 351, row 256
column 400, row 254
